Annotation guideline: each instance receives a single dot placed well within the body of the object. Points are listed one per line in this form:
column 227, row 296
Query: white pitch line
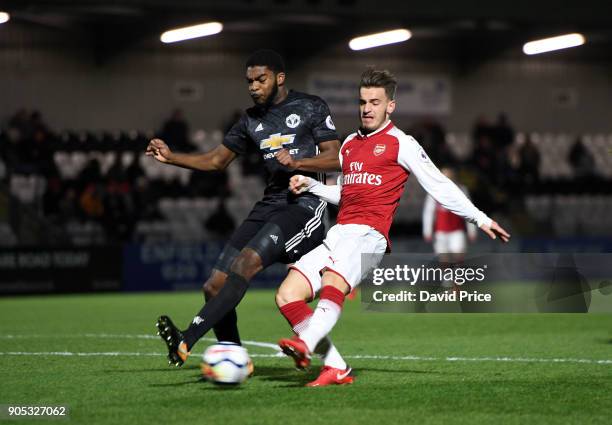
column 145, row 336
column 105, row 354
column 354, row 357
column 483, row 359
column 124, row 336
column 278, row 353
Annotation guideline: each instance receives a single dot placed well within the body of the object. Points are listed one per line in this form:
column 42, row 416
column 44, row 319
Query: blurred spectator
column 52, row 197
column 502, row 132
column 432, row 136
column 119, row 209
column 529, row 158
column 220, row 224
column 134, row 171
column 91, row 173
column 20, row 122
column 37, row 124
column 581, row 160
column 175, row 132
column 3, row 172
column 482, row 128
column 145, row 197
column 509, row 176
column 210, row 184
column 28, row 149
column 67, row 206
column 91, row 201
column 484, row 156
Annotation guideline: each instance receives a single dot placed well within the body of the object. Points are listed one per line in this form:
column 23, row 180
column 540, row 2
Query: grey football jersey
column 298, row 124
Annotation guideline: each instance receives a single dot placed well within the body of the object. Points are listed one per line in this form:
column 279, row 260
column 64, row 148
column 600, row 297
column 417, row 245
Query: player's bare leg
column 291, row 299
column 320, row 324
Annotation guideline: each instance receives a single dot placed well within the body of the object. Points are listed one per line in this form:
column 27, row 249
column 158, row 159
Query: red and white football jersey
column 437, row 219
column 446, row 221
column 375, row 168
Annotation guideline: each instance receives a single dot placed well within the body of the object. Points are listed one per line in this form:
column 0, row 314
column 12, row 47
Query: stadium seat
column 27, row 189
column 7, row 237
column 63, row 162
column 127, row 158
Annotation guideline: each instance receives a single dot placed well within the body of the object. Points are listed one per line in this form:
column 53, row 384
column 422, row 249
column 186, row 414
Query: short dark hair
column 379, row 78
column 269, row 58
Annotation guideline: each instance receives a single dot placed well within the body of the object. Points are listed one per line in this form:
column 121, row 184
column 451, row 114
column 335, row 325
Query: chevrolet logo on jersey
column 276, row 141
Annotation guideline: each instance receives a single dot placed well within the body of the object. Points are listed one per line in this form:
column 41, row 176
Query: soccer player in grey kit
column 295, row 134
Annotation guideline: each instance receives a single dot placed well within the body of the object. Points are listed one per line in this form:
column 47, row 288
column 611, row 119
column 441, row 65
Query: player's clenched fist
column 299, row 184
column 159, row 150
column 284, row 157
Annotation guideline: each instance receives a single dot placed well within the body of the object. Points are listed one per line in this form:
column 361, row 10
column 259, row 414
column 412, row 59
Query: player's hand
column 159, row 150
column 428, row 238
column 495, row 230
column 472, row 238
column 285, row 159
column 299, row 184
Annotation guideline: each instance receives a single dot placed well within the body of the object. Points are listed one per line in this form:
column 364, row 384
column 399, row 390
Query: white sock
column 324, row 349
column 330, row 354
column 321, row 323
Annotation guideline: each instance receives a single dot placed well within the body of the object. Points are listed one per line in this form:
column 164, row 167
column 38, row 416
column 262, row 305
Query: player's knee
column 293, row 288
column 212, row 287
column 209, row 290
column 247, row 264
column 285, row 295
column 338, row 282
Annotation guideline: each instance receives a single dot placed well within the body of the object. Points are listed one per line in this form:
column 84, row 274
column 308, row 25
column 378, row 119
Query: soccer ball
column 226, row 363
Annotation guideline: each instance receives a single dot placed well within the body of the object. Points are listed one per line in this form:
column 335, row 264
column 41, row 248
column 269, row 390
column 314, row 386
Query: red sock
column 332, row 294
column 324, row 318
column 297, row 314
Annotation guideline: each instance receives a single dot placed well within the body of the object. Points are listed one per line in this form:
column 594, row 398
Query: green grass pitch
column 422, row 369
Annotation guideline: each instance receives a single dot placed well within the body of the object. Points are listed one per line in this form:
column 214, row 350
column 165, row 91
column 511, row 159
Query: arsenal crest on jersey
column 379, row 149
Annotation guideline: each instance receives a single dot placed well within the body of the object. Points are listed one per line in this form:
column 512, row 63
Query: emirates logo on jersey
column 379, row 150
column 356, row 175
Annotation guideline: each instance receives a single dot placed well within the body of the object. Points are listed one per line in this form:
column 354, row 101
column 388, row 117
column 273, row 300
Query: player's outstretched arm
column 215, row 160
column 300, row 184
column 326, row 160
column 412, row 156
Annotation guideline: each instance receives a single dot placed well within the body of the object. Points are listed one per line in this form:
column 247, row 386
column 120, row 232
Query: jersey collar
column 382, row 129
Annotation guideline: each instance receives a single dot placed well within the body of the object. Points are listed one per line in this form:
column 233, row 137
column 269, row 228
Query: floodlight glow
column 194, row 31
column 553, row 43
column 379, row 39
column 4, row 17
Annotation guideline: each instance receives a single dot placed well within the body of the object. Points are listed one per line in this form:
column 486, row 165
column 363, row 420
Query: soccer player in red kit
column 376, row 162
column 445, row 229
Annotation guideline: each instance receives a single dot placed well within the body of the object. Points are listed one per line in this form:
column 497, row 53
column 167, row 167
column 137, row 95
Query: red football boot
column 332, row 376
column 297, row 350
